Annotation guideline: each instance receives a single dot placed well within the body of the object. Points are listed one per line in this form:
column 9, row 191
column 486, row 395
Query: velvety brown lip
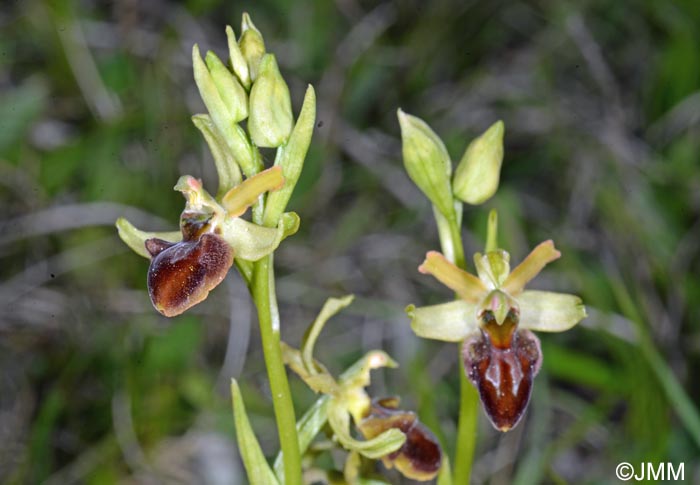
column 503, row 376
column 182, row 274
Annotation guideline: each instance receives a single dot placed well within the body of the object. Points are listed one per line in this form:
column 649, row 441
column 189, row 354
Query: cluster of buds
column 187, row 264
column 494, row 315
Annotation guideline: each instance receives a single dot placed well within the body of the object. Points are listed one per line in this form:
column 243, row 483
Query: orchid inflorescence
column 215, row 233
column 493, row 316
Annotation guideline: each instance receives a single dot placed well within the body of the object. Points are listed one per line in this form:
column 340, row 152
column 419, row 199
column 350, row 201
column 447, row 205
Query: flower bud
column 427, row 162
column 270, row 121
column 238, row 63
column 252, row 45
column 232, row 93
column 477, row 175
column 233, row 135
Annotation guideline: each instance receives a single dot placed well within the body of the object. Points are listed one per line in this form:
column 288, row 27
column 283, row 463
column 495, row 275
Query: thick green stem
column 468, row 396
column 263, row 290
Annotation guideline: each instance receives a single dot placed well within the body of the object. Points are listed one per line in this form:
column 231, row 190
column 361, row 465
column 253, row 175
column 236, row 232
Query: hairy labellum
column 502, row 370
column 420, row 456
column 182, row 274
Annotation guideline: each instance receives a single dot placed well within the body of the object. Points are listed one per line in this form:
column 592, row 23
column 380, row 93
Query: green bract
column 271, row 119
column 477, row 175
column 427, row 162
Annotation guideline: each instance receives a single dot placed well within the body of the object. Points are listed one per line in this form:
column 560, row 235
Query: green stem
column 468, row 396
column 466, row 429
column 263, row 290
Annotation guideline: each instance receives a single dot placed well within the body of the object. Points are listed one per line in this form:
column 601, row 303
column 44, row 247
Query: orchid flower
column 494, row 317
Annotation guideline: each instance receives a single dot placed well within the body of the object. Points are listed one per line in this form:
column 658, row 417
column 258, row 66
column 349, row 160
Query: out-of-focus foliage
column 600, row 99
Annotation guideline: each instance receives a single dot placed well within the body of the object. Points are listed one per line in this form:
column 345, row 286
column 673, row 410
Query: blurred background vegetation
column 601, row 101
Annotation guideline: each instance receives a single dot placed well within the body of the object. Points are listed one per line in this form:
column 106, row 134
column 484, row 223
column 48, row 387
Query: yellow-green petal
column 449, row 322
column 466, row 285
column 545, row 311
column 242, row 196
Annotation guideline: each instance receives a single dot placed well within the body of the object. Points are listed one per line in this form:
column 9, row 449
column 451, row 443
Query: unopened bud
column 427, row 162
column 270, row 120
column 252, row 45
column 238, row 62
column 230, row 90
column 477, row 175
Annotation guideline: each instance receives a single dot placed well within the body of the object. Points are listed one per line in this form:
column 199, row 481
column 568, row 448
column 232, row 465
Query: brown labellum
column 502, row 369
column 182, row 274
column 420, row 457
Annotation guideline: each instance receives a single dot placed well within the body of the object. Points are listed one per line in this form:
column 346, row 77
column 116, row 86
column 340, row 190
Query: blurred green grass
column 600, row 101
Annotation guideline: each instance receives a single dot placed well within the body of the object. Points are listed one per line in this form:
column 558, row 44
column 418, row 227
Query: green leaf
column 135, row 238
column 379, row 446
column 257, row 468
column 445, row 475
column 291, row 158
column 310, row 424
column 449, row 322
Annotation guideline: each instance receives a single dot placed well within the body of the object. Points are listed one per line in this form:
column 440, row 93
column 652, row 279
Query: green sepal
column 449, row 322
column 135, row 238
column 291, row 158
column 257, row 468
column 226, row 167
column 252, row 242
column 379, row 446
column 330, row 308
